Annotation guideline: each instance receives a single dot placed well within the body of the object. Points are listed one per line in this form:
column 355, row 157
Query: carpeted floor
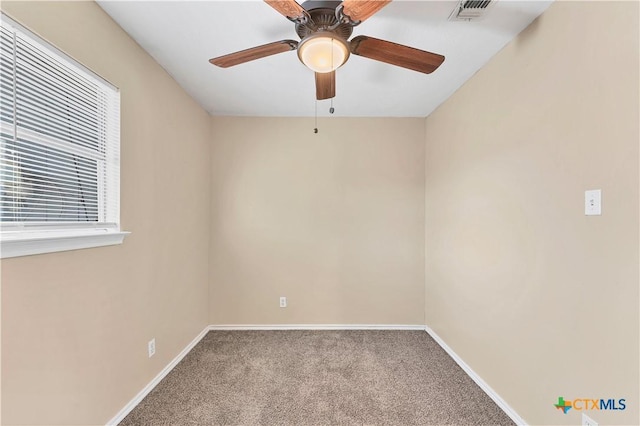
column 317, row 378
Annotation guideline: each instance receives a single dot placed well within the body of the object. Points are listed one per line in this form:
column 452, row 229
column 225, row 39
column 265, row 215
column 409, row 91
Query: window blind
column 59, row 138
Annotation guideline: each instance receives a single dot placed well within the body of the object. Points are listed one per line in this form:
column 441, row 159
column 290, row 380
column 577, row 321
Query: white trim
column 154, row 382
column 317, row 327
column 50, row 241
column 474, row 376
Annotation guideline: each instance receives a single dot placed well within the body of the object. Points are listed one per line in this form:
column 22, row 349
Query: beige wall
column 75, row 325
column 540, row 300
column 334, row 221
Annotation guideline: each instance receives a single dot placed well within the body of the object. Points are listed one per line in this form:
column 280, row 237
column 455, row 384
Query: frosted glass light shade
column 323, row 52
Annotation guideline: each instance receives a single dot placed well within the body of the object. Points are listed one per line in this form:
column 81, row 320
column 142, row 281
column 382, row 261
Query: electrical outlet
column 588, row 421
column 283, row 302
column 152, row 347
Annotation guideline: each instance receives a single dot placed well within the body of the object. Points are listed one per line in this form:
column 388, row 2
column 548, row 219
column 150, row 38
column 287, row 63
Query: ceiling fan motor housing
column 323, row 19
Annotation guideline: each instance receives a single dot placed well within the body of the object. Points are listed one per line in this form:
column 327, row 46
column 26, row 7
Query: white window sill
column 15, row 244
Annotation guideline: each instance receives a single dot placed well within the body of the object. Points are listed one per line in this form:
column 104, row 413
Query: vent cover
column 470, row 10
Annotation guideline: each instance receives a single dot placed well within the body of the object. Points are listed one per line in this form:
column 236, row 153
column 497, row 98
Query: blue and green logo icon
column 563, row 405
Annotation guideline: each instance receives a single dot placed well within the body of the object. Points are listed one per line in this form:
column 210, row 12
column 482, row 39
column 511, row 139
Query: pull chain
column 332, row 54
column 331, row 110
column 315, row 129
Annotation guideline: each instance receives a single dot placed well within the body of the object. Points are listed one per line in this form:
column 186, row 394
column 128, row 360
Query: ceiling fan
column 324, row 28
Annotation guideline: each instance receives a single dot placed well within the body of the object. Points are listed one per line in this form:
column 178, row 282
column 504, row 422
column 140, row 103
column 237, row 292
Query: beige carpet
column 317, row 378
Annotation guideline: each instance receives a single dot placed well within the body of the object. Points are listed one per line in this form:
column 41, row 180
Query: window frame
column 29, row 238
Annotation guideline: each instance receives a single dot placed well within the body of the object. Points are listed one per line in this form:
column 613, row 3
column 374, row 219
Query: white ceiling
column 183, row 35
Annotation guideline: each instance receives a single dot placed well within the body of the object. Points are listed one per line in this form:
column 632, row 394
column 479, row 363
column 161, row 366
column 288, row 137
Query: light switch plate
column 151, row 346
column 593, row 202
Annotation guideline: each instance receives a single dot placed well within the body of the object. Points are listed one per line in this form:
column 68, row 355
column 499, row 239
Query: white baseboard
column 317, row 327
column 153, row 383
column 481, row 383
column 477, row 379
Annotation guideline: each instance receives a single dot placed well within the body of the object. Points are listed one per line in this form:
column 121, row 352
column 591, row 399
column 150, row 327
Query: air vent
column 470, row 10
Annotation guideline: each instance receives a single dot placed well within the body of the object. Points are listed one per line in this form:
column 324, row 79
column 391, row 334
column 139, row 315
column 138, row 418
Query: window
column 59, row 150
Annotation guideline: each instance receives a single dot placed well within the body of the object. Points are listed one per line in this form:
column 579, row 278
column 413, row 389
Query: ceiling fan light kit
column 323, row 52
column 324, row 28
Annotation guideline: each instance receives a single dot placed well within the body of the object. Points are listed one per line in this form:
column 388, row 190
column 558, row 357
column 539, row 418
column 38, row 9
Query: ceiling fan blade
column 258, row 52
column 396, row 54
column 359, row 10
column 325, row 85
column 290, row 9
